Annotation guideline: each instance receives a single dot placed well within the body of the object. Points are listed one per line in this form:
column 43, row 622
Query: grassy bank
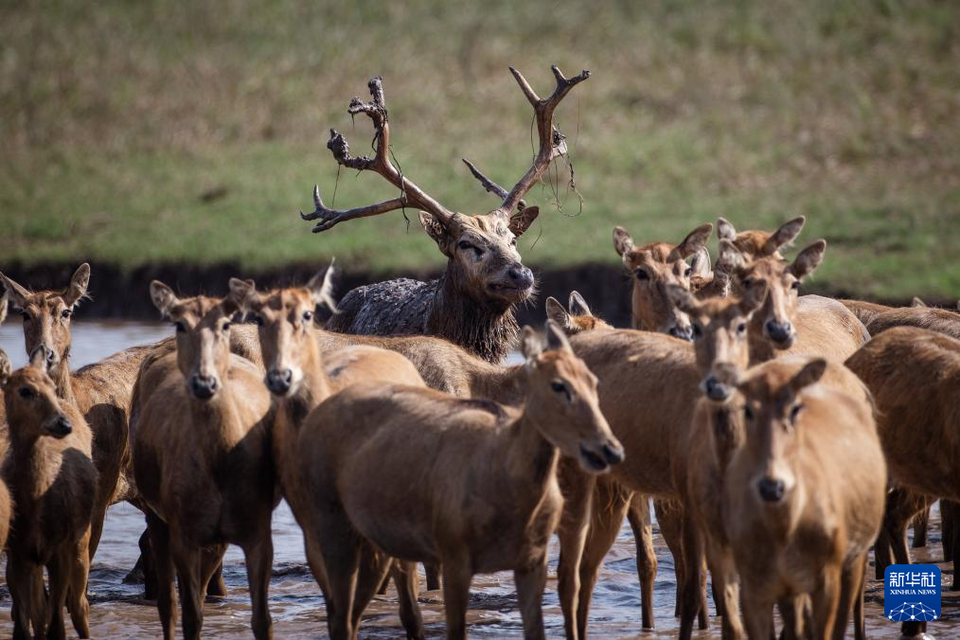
column 165, row 132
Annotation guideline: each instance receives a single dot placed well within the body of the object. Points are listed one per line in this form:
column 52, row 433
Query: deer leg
column 189, row 560
column 79, row 607
column 96, row 526
column 162, row 563
column 373, row 566
column 58, row 573
column 920, row 523
column 530, row 582
column 694, row 588
column 826, row 601
column 610, row 504
column 851, row 585
column 382, row 589
column 259, row 559
column 882, row 553
column 216, row 586
column 726, row 589
column 757, row 610
column 25, row 579
column 572, row 534
column 948, row 515
column 341, row 563
column 408, row 586
column 211, row 570
column 670, row 531
column 456, row 595
column 638, row 515
column 433, row 575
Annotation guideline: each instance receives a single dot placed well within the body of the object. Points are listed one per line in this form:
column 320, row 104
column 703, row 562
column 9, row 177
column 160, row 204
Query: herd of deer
column 778, row 435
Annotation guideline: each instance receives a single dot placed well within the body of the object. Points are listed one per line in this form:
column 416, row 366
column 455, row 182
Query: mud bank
column 120, row 294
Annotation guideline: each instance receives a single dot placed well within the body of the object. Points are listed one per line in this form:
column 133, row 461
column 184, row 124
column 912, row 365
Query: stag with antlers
column 473, row 302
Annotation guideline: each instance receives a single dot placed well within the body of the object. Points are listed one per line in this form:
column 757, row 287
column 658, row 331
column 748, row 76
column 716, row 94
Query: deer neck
column 315, row 386
column 760, row 348
column 506, row 385
column 217, row 421
column 531, row 459
column 62, row 379
column 29, row 473
column 487, row 328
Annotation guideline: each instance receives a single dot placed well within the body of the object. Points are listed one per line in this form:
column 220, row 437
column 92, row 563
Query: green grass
column 117, row 118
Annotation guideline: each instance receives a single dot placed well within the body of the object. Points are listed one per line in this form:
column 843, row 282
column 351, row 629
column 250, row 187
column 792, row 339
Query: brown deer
column 578, row 319
column 53, row 482
column 654, row 266
column 202, row 461
column 473, row 303
column 101, row 391
column 865, row 310
column 913, row 376
column 487, row 498
column 804, row 496
column 942, row 321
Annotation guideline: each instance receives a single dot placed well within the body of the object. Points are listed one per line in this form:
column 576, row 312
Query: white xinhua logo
column 912, row 611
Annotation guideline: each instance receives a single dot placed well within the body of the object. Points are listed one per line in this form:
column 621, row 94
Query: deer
column 578, row 319
column 942, row 321
column 473, row 302
column 202, row 461
column 100, row 391
column 50, row 473
column 299, row 377
column 912, row 374
column 487, row 500
column 795, row 525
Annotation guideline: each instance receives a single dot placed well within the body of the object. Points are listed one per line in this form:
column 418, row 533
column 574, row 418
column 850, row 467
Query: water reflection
column 297, row 606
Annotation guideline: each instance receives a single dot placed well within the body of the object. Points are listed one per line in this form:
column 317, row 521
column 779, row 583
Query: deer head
column 720, row 328
column 47, row 315
column 578, row 319
column 481, row 249
column 654, row 266
column 755, row 244
column 562, row 401
column 773, row 413
column 284, row 318
column 203, row 337
column 30, row 399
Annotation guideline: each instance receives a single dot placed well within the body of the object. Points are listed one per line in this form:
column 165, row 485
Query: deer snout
column 60, row 427
column 684, row 333
column 43, row 356
column 597, row 457
column 279, row 381
column 613, row 452
column 780, row 332
column 770, row 489
column 520, row 276
column 716, row 390
column 204, row 387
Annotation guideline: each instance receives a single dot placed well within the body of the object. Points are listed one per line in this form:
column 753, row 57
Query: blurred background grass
column 136, row 133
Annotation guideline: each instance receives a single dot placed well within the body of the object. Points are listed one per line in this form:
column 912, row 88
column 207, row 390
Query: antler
column 410, row 194
column 552, row 142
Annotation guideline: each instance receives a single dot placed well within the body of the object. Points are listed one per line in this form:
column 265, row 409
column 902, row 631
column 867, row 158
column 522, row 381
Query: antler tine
column 410, row 194
column 552, row 142
column 489, row 185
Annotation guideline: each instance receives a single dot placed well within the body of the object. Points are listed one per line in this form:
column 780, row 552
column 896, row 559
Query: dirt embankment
column 124, row 294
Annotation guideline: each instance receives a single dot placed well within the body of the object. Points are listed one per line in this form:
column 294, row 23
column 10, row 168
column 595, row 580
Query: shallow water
column 118, row 611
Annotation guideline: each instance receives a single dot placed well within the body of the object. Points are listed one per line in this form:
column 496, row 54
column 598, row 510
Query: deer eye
column 796, row 285
column 513, row 242
column 463, row 245
column 66, row 313
column 179, row 327
column 742, row 328
column 559, row 387
column 307, row 316
column 748, row 412
column 258, row 320
column 26, row 315
column 641, row 274
column 226, row 326
column 795, row 411
column 697, row 330
column 26, row 392
column 688, row 272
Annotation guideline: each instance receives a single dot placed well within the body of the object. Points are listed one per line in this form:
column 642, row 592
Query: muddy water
column 296, row 604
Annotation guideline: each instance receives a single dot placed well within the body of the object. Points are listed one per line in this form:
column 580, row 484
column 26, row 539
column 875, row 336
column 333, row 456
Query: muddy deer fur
column 473, row 303
column 804, row 496
column 202, row 461
column 53, row 482
column 485, row 500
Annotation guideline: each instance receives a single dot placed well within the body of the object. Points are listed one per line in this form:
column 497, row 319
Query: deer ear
column 729, row 258
column 622, row 241
column 725, row 230
column 14, row 292
column 694, row 241
column 322, row 288
column 3, row 307
column 682, row 299
column 577, row 305
column 163, row 297
column 244, row 292
column 556, row 338
column 531, row 345
column 522, row 219
column 700, row 265
column 917, row 302
column 783, row 236
column 436, row 230
column 78, row 285
column 557, row 313
column 810, row 374
column 808, row 260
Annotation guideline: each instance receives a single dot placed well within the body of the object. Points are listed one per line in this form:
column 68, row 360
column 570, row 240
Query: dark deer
column 473, row 303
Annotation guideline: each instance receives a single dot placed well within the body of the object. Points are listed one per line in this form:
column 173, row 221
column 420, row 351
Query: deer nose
column 279, row 381
column 716, row 390
column 684, row 333
column 521, row 276
column 203, row 387
column 770, row 490
column 613, row 453
column 779, row 332
column 61, row 427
